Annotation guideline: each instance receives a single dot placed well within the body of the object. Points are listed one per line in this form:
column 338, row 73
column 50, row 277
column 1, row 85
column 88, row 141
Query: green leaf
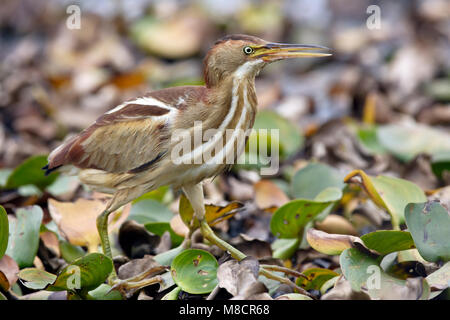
column 103, row 292
column 4, row 231
column 362, row 270
column 172, row 295
column 284, row 248
column 149, row 210
column 316, row 278
column 311, row 180
column 70, row 252
column 289, row 220
column 62, row 185
column 195, row 271
column 159, row 195
column 93, row 269
column 159, row 228
column 30, row 172
column 166, row 258
column 391, row 194
column 290, row 138
column 368, row 138
column 4, row 174
column 387, row 241
column 83, row 275
column 407, row 141
column 440, row 163
column 429, row 224
column 24, row 235
column 36, row 279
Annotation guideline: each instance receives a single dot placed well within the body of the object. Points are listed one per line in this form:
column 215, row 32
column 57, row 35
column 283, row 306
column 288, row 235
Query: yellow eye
column 248, row 50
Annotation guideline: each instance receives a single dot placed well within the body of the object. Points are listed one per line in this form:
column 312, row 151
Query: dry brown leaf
column 77, row 220
column 268, row 194
column 178, row 226
column 8, row 272
column 50, row 240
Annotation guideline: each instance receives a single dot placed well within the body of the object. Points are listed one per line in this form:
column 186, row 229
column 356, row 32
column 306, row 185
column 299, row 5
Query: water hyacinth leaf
column 4, row 174
column 284, row 248
column 331, row 244
column 166, row 258
column 104, row 292
column 4, row 231
column 85, row 273
column 172, row 295
column 150, row 210
column 195, row 271
column 363, row 271
column 36, row 279
column 387, row 241
column 389, row 193
column 368, row 138
column 406, row 141
column 429, row 224
column 440, row 163
column 316, row 278
column 159, row 228
column 311, row 180
column 160, row 195
column 213, row 214
column 290, row 220
column 63, row 185
column 30, row 172
column 292, row 139
column 24, row 230
column 70, row 252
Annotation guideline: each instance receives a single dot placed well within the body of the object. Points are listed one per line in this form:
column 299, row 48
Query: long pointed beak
column 277, row 51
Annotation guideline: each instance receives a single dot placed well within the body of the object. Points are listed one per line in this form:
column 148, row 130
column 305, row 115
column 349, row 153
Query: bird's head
column 245, row 56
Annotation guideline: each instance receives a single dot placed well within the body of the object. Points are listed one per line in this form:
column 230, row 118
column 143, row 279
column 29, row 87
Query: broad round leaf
column 4, row 231
column 149, row 210
column 387, row 241
column 284, row 248
column 362, row 270
column 85, row 273
column 35, row 278
column 406, row 141
column 30, row 172
column 24, row 235
column 311, row 180
column 195, row 271
column 392, row 194
column 290, row 138
column 290, row 220
column 429, row 224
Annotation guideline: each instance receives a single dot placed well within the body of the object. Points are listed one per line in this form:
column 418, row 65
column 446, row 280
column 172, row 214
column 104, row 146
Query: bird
column 129, row 150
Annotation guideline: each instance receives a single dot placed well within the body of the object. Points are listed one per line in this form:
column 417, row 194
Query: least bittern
column 128, row 151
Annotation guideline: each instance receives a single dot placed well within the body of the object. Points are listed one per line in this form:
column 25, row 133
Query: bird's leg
column 102, row 227
column 194, row 193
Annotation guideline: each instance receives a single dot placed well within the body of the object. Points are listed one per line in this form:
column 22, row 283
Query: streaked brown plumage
column 127, row 151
